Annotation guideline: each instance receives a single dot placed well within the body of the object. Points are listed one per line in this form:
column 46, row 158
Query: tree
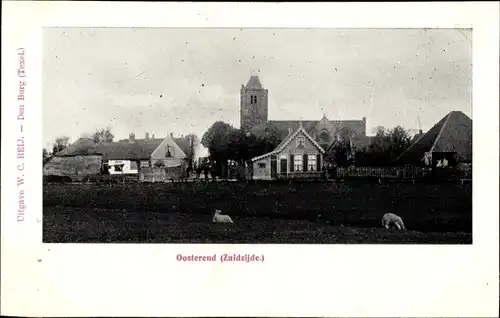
column 224, row 142
column 340, row 153
column 60, row 144
column 386, row 147
column 400, row 140
column 379, row 131
column 218, row 140
column 103, row 135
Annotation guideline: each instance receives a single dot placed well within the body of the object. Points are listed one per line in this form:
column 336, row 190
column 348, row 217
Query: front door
column 274, row 167
column 283, row 166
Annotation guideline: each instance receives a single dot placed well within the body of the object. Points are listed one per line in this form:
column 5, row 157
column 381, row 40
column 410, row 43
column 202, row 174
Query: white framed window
column 261, row 165
column 297, row 163
column 301, row 141
column 311, row 163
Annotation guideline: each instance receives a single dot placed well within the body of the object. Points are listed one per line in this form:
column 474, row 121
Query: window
column 297, row 163
column 119, row 168
column 133, row 165
column 168, row 151
column 311, row 163
column 253, row 99
column 262, row 165
column 323, row 137
column 301, row 141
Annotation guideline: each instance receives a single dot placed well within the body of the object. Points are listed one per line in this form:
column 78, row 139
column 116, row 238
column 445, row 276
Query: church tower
column 253, row 104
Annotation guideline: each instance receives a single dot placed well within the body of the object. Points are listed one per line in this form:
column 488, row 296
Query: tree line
column 383, row 149
column 226, row 143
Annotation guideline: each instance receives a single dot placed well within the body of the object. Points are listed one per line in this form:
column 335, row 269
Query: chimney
column 289, row 130
column 131, row 137
column 152, row 135
column 420, row 131
column 172, row 135
column 147, row 136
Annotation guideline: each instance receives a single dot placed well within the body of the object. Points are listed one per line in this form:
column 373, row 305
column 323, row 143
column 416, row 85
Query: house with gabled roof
column 147, row 152
column 450, row 139
column 126, row 156
column 298, row 153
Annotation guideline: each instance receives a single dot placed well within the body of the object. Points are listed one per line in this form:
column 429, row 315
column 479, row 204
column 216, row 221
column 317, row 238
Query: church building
column 254, row 119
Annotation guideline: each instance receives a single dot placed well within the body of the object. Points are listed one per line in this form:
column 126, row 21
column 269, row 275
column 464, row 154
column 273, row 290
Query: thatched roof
column 83, row 146
column 452, row 134
column 121, row 150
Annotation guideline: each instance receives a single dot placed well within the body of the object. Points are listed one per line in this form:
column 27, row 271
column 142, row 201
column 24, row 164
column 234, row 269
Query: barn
column 450, row 139
column 76, row 162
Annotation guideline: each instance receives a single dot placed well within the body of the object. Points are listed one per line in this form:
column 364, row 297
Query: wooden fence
column 381, row 172
column 310, row 175
column 462, row 171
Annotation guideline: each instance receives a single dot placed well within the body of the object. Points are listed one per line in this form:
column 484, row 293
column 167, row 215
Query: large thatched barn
column 76, row 162
column 450, row 139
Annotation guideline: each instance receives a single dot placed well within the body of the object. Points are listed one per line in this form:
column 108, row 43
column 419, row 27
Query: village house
column 148, row 152
column 125, row 156
column 298, row 155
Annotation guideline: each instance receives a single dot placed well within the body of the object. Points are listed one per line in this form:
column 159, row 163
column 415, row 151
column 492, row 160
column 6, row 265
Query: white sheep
column 221, row 218
column 392, row 219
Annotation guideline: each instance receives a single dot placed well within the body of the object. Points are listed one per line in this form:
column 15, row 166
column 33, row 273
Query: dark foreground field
column 262, row 213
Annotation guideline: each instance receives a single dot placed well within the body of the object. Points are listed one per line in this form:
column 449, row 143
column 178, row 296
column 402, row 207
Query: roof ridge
column 441, row 131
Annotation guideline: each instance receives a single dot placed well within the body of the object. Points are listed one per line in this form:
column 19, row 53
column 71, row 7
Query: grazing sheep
column 221, row 218
column 392, row 219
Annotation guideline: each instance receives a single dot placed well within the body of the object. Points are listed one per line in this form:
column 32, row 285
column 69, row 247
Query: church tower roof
column 254, row 83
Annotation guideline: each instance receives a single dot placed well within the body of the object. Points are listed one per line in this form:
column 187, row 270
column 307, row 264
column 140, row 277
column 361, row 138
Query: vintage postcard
column 176, row 159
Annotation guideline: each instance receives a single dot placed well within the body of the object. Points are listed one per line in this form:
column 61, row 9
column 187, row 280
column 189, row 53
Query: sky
column 182, row 80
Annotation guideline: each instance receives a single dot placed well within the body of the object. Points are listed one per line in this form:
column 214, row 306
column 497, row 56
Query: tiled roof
column 283, row 125
column 125, row 150
column 453, row 133
column 254, row 83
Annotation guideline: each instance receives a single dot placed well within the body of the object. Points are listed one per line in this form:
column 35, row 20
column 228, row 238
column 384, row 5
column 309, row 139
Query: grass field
column 262, row 213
